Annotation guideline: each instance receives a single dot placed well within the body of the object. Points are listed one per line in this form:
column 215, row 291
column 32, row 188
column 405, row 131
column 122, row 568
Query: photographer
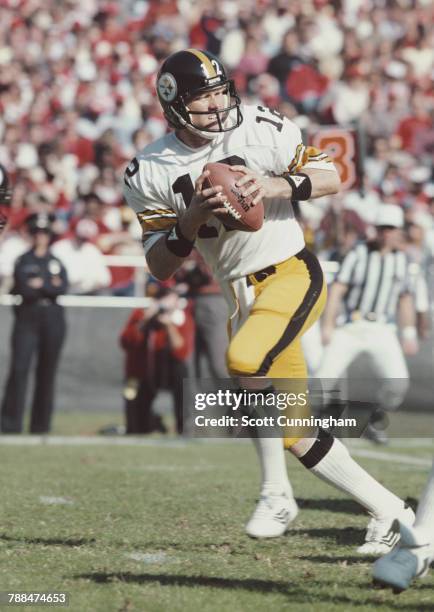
column 158, row 342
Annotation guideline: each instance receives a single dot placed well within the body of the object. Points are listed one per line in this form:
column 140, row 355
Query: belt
column 258, row 277
column 356, row 315
column 261, row 275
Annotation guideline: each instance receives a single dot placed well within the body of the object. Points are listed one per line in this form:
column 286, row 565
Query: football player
column 274, row 286
column 415, row 551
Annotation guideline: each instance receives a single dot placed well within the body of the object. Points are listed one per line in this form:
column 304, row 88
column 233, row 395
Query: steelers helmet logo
column 167, row 87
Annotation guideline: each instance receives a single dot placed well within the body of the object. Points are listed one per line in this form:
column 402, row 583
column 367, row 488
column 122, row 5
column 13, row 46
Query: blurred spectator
column 84, row 262
column 342, row 229
column 124, row 241
column 158, row 342
column 418, row 223
column 210, row 315
column 411, row 130
column 39, row 328
column 77, row 87
column 5, row 198
column 288, row 58
column 13, row 244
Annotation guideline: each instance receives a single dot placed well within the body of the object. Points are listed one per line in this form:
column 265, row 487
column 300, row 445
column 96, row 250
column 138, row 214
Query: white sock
column 271, row 451
column 425, row 510
column 273, row 465
column 339, row 469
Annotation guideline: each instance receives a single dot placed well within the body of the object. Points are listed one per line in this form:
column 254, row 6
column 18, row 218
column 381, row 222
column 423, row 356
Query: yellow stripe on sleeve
column 296, row 159
column 156, row 222
column 305, row 155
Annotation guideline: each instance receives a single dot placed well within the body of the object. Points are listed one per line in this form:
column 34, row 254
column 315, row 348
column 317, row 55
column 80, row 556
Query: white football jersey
column 159, row 185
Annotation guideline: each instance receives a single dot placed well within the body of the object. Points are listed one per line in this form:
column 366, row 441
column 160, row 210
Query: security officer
column 39, row 278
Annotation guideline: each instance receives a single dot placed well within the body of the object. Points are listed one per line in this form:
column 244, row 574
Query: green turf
column 184, row 508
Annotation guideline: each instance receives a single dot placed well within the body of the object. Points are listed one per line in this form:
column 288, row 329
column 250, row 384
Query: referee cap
column 389, row 215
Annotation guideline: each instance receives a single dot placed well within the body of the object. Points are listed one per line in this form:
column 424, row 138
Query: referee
column 39, row 327
column 370, row 299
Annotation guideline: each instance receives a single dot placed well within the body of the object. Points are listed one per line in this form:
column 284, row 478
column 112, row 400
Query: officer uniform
column 39, row 327
column 375, row 283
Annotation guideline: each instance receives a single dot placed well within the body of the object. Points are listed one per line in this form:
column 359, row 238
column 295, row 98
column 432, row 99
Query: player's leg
column 293, row 293
column 337, row 356
column 347, row 343
column 312, row 348
column 23, row 345
column 415, row 551
column 51, row 337
column 391, row 368
column 326, row 457
column 264, row 344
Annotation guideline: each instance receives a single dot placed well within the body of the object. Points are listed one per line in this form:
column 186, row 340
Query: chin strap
column 201, row 133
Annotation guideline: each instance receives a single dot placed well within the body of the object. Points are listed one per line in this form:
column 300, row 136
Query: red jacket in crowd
column 140, row 353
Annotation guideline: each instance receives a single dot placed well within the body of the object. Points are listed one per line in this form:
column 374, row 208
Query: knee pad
column 318, row 449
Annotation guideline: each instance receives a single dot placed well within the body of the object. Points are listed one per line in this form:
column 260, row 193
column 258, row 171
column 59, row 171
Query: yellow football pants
column 277, row 311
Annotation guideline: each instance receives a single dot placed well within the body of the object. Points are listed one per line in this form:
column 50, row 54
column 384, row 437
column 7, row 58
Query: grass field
column 160, row 527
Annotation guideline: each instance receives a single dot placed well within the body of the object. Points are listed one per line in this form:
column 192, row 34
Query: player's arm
column 421, row 304
column 336, row 294
column 307, row 184
column 324, row 182
column 169, row 252
column 304, row 172
column 332, row 309
column 407, row 324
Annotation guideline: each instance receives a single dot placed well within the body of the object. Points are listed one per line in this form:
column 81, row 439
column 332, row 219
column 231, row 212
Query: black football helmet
column 188, row 73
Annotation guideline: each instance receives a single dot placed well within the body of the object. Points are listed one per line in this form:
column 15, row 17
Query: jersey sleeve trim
column 156, row 220
column 309, row 157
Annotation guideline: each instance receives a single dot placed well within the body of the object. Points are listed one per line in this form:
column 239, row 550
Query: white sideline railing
column 127, row 261
column 87, row 301
column 110, row 301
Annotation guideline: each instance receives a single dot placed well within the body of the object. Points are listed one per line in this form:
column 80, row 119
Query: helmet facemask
column 223, row 120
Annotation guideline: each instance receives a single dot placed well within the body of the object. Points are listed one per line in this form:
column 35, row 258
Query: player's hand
column 165, row 319
column 423, row 325
column 150, row 311
column 204, row 203
column 36, row 282
column 410, row 346
column 262, row 186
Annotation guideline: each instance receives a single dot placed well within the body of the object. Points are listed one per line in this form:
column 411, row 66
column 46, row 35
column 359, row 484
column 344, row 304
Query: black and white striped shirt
column 375, row 283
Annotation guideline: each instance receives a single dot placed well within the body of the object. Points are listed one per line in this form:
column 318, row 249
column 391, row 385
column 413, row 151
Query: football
column 242, row 215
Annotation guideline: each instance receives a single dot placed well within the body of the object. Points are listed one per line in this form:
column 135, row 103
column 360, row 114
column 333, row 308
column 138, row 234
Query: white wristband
column 409, row 333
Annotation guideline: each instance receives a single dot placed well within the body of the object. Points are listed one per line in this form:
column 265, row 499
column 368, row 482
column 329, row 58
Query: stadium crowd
column 77, row 99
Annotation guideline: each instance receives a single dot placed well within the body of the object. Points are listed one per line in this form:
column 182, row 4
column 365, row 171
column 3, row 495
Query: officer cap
column 40, row 222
